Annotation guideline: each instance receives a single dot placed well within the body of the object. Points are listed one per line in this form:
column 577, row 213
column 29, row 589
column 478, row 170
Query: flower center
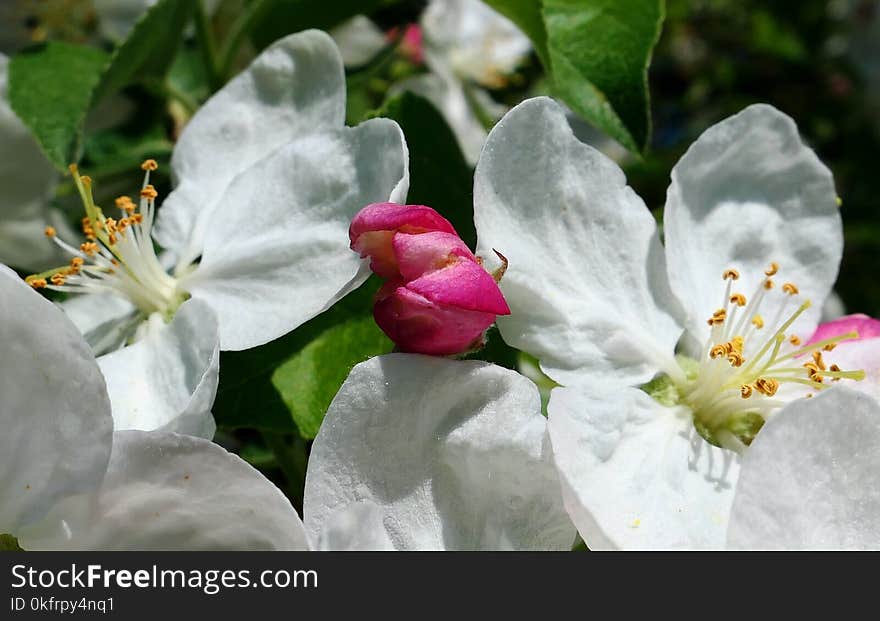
column 117, row 255
column 750, row 367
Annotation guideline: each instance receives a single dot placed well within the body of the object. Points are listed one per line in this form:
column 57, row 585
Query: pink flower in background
column 860, row 353
column 440, row 299
column 411, row 44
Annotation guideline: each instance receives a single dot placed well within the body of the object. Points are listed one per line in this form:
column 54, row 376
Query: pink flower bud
column 373, row 229
column 444, row 311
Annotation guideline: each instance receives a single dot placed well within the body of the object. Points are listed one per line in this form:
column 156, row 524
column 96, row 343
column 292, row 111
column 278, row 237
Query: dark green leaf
column 150, row 47
column 599, row 52
column 50, row 89
column 439, row 175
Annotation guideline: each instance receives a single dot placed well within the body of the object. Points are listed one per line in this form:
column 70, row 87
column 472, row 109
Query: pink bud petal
column 418, row 325
column 417, row 254
column 463, row 284
column 866, row 327
column 373, row 228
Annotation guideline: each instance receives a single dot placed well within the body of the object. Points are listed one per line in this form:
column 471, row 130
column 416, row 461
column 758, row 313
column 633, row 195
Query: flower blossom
column 267, row 180
column 71, row 482
column 671, row 357
column 439, row 299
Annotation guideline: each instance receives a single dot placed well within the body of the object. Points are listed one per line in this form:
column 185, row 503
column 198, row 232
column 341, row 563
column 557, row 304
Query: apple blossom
column 422, row 453
column 648, row 443
column 71, row 482
column 267, row 180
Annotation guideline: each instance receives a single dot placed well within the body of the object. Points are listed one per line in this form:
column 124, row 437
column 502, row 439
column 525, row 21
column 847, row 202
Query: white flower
column 267, row 181
column 752, row 235
column 422, row 453
column 29, row 182
column 70, row 482
column 467, row 46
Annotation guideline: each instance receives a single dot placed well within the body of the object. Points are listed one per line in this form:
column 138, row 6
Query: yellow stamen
column 730, row 274
column 771, row 271
column 768, row 284
column 149, row 165
column 739, row 299
column 49, row 231
column 745, row 391
column 149, row 192
column 790, row 288
column 766, row 386
column 758, row 321
column 794, row 340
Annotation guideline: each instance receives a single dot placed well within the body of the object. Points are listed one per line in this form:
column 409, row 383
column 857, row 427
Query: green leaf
column 599, row 52
column 150, row 47
column 50, row 89
column 288, row 16
column 286, row 385
column 311, row 378
column 439, row 175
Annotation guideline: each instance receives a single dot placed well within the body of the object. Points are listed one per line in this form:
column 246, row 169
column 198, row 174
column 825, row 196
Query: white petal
column 165, row 491
column 748, row 193
column 28, row 182
column 447, row 95
column 809, row 480
column 359, row 40
column 636, row 475
column 277, row 252
column 586, row 281
column 295, row 88
column 355, row 527
column 454, row 453
column 105, row 320
column 55, row 425
column 168, row 379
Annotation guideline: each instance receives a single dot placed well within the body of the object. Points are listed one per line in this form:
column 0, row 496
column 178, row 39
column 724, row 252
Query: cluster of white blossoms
column 695, row 408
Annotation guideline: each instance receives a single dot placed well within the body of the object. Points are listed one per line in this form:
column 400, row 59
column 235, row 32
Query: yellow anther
column 149, row 165
column 834, row 369
column 730, row 274
column 36, row 283
column 735, row 359
column 149, row 192
column 830, row 346
column 57, row 279
column 718, row 351
column 738, row 342
column 758, row 321
column 76, row 264
column 125, row 203
column 745, row 391
column 86, row 180
column 794, row 340
column 817, row 358
column 739, row 299
column 90, row 248
column 718, row 317
column 73, row 168
column 110, row 225
column 766, row 386
column 50, row 231
column 771, row 271
column 790, row 288
column 112, row 239
column 768, row 284
column 137, row 218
